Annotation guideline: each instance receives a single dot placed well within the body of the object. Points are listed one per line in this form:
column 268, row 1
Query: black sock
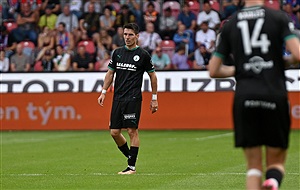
column 124, row 149
column 276, row 174
column 133, row 155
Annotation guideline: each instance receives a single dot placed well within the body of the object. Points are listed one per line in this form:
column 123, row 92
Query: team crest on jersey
column 257, row 64
column 136, row 58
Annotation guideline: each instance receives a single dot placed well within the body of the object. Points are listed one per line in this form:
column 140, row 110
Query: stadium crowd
column 80, row 35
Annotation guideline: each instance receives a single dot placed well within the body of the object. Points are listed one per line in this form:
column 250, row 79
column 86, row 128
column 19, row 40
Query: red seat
column 194, row 7
column 38, row 66
column 215, row 4
column 97, row 66
column 10, row 26
column 89, row 46
column 168, row 47
column 273, row 4
column 175, row 7
column 28, row 44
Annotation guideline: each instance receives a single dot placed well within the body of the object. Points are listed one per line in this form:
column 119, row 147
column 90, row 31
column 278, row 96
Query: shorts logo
column 260, row 103
column 136, row 58
column 129, row 116
column 257, row 64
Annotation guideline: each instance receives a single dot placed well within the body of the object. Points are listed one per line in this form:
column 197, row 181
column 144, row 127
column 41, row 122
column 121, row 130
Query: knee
column 114, row 133
column 132, row 132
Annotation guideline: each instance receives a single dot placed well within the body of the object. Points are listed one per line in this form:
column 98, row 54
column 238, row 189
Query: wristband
column 154, row 96
column 103, row 91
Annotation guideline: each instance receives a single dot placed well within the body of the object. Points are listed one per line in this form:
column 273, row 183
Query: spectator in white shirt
column 208, row 14
column 75, row 7
column 149, row 39
column 206, row 36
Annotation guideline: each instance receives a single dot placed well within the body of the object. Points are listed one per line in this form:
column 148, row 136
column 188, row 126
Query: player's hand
column 101, row 99
column 153, row 106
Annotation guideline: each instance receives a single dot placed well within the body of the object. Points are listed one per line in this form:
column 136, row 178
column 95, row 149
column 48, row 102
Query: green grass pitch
column 167, row 160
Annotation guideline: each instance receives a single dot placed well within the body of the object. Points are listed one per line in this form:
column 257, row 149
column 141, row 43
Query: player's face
column 130, row 38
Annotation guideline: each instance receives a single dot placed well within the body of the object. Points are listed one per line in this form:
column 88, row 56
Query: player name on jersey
column 251, row 14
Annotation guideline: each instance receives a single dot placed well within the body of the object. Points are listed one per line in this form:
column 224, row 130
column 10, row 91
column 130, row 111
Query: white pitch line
column 205, row 138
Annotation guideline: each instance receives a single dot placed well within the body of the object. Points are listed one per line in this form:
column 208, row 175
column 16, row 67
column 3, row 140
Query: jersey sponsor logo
column 136, row 58
column 126, row 66
column 251, row 14
column 129, row 116
column 260, row 103
column 257, row 64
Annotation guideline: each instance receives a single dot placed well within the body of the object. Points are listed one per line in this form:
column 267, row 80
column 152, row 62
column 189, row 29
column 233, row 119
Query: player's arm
column 293, row 45
column 154, row 102
column 107, row 82
column 218, row 70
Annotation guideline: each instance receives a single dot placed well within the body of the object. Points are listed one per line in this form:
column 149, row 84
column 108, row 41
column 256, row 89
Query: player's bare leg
column 120, row 141
column 254, row 166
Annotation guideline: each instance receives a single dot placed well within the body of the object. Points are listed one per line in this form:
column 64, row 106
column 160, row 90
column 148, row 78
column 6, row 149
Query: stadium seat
column 10, row 26
column 89, row 45
column 175, row 7
column 215, row 4
column 97, row 66
column 194, row 7
column 273, row 4
column 28, row 47
column 168, row 47
column 38, row 66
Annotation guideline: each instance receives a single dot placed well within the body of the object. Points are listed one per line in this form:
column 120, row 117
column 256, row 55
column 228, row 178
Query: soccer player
column 129, row 64
column 255, row 37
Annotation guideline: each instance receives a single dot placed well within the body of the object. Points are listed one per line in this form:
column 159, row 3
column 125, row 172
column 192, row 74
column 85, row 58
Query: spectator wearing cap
column 107, row 21
column 208, row 14
column 70, row 20
column 82, row 60
column 151, row 15
column 202, row 57
column 48, row 19
column 167, row 24
column 19, row 62
column 187, row 17
column 125, row 16
column 89, row 22
column 206, row 36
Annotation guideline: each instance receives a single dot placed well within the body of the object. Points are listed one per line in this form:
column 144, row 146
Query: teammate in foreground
column 129, row 63
column 255, row 37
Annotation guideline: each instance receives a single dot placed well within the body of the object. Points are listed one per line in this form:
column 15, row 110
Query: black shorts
column 125, row 114
column 261, row 121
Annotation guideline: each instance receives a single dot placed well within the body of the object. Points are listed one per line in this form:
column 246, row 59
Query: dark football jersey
column 255, row 37
column 129, row 66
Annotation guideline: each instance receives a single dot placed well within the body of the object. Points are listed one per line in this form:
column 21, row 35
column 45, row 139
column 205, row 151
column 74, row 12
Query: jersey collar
column 132, row 48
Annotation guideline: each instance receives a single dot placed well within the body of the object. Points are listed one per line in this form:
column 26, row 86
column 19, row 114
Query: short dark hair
column 63, row 24
column 133, row 27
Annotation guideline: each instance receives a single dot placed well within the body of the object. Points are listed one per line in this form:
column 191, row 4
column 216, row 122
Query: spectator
column 156, row 5
column 65, row 38
column 82, row 60
column 107, row 21
column 7, row 41
column 167, row 24
column 289, row 10
column 75, row 7
column 125, row 16
column 105, row 39
column 149, row 39
column 160, row 60
column 151, row 15
column 19, row 62
column 9, row 10
column 206, row 36
column 55, row 6
column 185, row 37
column 96, row 4
column 46, row 42
column 4, row 62
column 47, row 62
column 62, row 60
column 118, row 39
column 187, row 17
column 103, row 63
column 180, row 59
column 230, row 7
column 26, row 21
column 48, row 19
column 134, row 7
column 89, row 22
column 70, row 20
column 202, row 57
column 208, row 14
column 100, row 48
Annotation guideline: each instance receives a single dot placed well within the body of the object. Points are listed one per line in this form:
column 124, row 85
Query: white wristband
column 154, row 96
column 103, row 91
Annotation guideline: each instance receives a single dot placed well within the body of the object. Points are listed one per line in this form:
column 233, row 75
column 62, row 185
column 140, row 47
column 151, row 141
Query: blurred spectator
column 65, row 38
column 96, row 4
column 26, row 21
column 82, row 60
column 118, row 39
column 230, row 7
column 75, row 7
column 185, row 37
column 46, row 42
column 149, row 39
column 206, row 36
column 89, row 22
column 55, row 6
column 289, row 10
column 7, row 41
column 9, row 10
column 47, row 62
column 19, row 62
column 100, row 50
column 187, row 17
column 70, row 20
column 48, row 19
column 208, row 14
column 160, row 60
column 167, row 24
column 105, row 39
column 4, row 62
column 107, row 21
column 180, row 59
column 125, row 16
column 103, row 63
column 135, row 8
column 62, row 60
column 151, row 15
column 202, row 57
column 156, row 5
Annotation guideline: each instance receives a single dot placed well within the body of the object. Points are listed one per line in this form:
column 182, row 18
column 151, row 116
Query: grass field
column 167, row 160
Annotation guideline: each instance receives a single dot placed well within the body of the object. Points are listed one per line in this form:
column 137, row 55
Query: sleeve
column 222, row 43
column 288, row 28
column 112, row 62
column 149, row 67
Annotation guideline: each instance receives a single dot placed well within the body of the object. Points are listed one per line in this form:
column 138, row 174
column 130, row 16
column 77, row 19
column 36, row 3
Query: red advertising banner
column 80, row 111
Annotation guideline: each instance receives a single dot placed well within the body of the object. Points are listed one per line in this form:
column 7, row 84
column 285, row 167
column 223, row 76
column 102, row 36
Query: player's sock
column 275, row 174
column 124, row 149
column 132, row 156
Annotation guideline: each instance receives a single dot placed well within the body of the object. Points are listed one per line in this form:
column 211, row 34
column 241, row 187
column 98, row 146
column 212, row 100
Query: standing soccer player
column 255, row 37
column 129, row 63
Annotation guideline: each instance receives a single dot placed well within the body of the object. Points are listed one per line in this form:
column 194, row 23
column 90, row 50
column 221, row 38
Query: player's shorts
column 125, row 114
column 261, row 121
